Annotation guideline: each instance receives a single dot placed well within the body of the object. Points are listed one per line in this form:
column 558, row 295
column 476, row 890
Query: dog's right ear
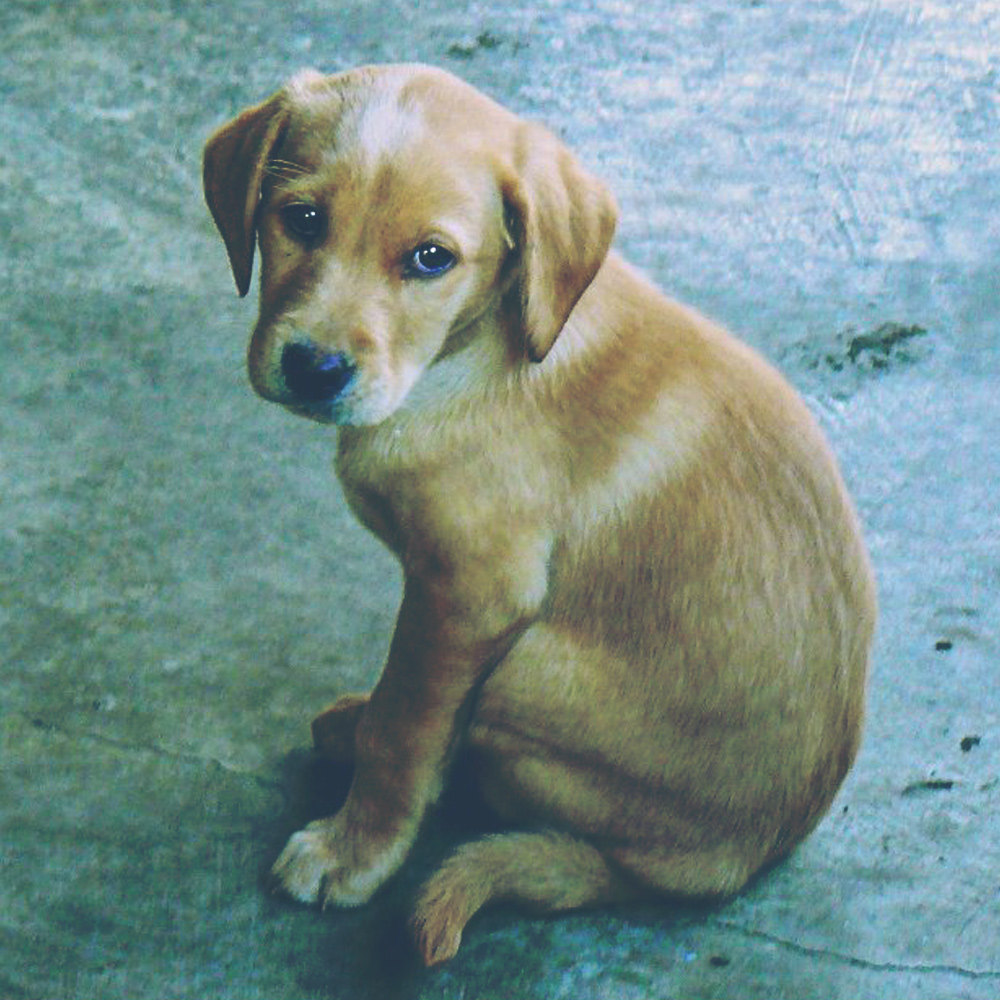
column 235, row 160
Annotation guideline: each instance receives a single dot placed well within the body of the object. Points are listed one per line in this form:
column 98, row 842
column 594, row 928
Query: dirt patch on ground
column 852, row 356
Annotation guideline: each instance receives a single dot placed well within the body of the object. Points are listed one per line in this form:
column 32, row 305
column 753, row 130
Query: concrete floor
column 181, row 586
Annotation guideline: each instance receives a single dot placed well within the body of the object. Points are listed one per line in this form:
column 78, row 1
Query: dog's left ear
column 234, row 163
column 563, row 220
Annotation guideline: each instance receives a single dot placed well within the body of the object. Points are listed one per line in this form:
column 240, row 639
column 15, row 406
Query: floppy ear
column 563, row 220
column 234, row 162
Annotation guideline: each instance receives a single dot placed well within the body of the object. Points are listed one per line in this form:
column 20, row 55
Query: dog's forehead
column 373, row 113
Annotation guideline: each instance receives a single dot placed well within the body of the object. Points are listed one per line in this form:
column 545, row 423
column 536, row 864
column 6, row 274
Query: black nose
column 312, row 374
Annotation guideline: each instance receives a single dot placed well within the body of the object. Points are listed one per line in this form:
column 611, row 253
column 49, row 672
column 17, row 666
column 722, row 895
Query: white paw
column 327, row 863
column 304, row 864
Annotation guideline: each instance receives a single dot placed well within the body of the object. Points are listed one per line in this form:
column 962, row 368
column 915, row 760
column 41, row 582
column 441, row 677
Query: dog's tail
column 547, row 872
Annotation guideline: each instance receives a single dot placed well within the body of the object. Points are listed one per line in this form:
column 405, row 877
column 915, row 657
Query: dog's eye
column 304, row 222
column 429, row 260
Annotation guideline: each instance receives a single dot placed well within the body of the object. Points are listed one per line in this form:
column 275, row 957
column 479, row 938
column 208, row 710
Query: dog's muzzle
column 315, row 378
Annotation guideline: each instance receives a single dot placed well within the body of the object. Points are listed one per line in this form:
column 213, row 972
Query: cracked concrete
column 181, row 585
column 850, row 960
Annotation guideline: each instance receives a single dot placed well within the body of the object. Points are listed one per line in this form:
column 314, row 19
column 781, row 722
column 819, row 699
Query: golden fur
column 635, row 591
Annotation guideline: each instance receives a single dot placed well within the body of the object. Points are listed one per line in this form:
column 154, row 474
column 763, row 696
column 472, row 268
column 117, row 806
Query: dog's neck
column 477, row 363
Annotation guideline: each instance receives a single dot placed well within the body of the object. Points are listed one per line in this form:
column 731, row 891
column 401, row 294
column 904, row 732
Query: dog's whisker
column 281, row 168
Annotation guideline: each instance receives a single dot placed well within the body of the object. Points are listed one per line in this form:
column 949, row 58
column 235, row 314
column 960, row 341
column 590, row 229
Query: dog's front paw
column 304, row 864
column 324, row 864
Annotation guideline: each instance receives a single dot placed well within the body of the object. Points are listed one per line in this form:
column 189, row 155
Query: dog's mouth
column 316, row 380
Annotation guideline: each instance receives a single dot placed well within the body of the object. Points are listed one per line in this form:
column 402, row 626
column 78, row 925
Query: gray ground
column 182, row 586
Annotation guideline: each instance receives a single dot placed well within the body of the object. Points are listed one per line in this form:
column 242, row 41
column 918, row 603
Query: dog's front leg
column 442, row 648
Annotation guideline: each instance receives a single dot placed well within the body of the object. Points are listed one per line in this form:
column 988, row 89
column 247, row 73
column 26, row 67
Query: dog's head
column 400, row 213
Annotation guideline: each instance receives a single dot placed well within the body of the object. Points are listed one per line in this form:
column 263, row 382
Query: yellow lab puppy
column 635, row 591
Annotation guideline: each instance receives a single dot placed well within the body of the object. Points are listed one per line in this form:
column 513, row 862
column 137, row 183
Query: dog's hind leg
column 334, row 728
column 548, row 872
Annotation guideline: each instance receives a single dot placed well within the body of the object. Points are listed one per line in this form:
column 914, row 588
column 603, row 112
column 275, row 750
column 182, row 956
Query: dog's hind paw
column 333, row 729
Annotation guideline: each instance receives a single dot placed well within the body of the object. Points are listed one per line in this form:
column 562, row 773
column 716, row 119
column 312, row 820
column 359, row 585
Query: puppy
column 636, row 596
